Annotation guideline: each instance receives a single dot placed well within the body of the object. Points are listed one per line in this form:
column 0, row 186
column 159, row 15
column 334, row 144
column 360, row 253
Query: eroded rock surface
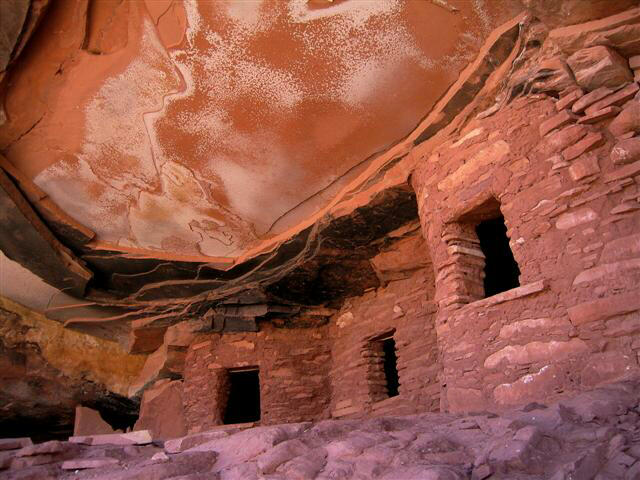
column 334, row 262
column 595, row 435
column 46, row 371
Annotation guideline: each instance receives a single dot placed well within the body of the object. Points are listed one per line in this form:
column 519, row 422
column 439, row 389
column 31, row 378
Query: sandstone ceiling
column 199, row 129
column 167, row 160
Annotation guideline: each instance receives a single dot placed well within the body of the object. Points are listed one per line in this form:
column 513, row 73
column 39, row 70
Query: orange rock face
column 201, row 128
column 256, row 213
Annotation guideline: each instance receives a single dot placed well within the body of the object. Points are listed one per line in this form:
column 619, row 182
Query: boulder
column 599, row 66
column 161, row 410
column 89, row 422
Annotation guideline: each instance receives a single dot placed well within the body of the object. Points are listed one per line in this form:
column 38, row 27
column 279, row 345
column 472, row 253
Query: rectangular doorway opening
column 390, row 364
column 243, row 402
column 501, row 269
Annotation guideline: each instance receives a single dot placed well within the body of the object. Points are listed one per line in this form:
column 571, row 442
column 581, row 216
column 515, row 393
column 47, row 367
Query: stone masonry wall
column 564, row 172
column 403, row 307
column 293, row 370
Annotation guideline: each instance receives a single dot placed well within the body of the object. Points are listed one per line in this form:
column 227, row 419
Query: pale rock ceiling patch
column 225, row 117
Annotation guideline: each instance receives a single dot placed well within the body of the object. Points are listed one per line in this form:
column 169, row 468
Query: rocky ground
column 595, row 435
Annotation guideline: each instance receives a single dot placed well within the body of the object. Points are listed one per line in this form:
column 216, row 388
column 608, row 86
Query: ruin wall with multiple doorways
column 519, row 285
column 516, row 282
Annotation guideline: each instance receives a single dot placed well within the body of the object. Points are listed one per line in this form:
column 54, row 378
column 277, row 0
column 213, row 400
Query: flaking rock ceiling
column 201, row 128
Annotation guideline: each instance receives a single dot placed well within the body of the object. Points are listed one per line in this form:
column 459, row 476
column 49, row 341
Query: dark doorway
column 390, row 366
column 501, row 269
column 243, row 404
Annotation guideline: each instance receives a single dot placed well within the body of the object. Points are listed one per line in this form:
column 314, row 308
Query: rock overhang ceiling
column 322, row 257
column 322, row 249
column 199, row 129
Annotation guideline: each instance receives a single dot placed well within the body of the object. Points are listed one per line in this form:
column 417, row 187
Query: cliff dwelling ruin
column 320, row 239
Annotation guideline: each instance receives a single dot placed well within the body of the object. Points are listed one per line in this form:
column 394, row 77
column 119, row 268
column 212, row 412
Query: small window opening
column 501, row 269
column 390, row 366
column 243, row 403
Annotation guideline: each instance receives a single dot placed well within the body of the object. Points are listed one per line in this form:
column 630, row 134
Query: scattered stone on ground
column 592, row 436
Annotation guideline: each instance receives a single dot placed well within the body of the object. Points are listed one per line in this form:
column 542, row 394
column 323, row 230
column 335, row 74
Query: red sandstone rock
column 33, row 461
column 183, row 333
column 607, row 269
column 161, row 410
column 328, row 370
column 160, row 364
column 607, row 367
column 591, row 98
column 626, row 151
column 628, row 120
column 569, row 99
column 599, row 67
column 89, row 422
column 535, row 352
column 269, row 461
column 557, row 76
column 603, row 308
column 145, row 340
column 571, row 12
column 623, row 172
column 584, row 167
column 559, row 120
column 627, row 247
column 599, row 115
column 548, row 378
column 401, row 259
column 562, row 139
column 613, row 31
column 615, row 99
column 465, row 399
column 590, row 141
